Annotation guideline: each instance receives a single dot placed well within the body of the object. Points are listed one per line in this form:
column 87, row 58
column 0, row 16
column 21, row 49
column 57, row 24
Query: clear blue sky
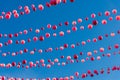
column 54, row 15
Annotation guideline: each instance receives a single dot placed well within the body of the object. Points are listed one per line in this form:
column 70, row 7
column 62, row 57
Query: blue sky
column 54, row 15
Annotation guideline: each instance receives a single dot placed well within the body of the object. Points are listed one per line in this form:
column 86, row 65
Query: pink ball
column 112, row 34
column 54, row 34
column 89, row 53
column 107, row 13
column 74, row 23
column 22, row 41
column 83, row 75
column 116, row 46
column 35, row 38
column 1, row 45
column 66, row 78
column 7, row 16
column 14, row 11
column 27, row 11
column 61, row 33
column 65, row 45
column 63, row 63
column 49, row 26
column 47, row 35
column 94, row 40
column 20, row 7
column 83, row 42
column 61, row 48
column 42, row 61
column 13, row 54
column 4, row 54
column 74, row 28
column 72, row 45
column 16, row 34
column 48, row 4
column 77, row 74
column 20, row 32
column 29, row 40
column 41, row 38
column 54, row 27
column 93, row 15
column 16, row 15
column 108, row 54
column 25, row 31
column 64, row 1
column 68, row 57
column 95, row 51
column 110, row 18
column 71, row 77
column 104, row 21
column 98, row 57
column 26, row 68
column 114, row 11
column 118, row 17
column 26, row 7
column 37, row 30
column 10, row 41
column 40, row 51
column 40, row 7
column 66, row 23
column 50, row 49
column 82, row 60
column 1, row 17
column 58, row 1
column 32, row 52
column 56, row 60
column 24, row 62
column 31, row 64
column 88, row 40
column 61, row 78
column 79, row 20
column 101, row 49
column 90, row 26
column 68, row 31
column 10, row 35
column 81, row 27
column 48, row 66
